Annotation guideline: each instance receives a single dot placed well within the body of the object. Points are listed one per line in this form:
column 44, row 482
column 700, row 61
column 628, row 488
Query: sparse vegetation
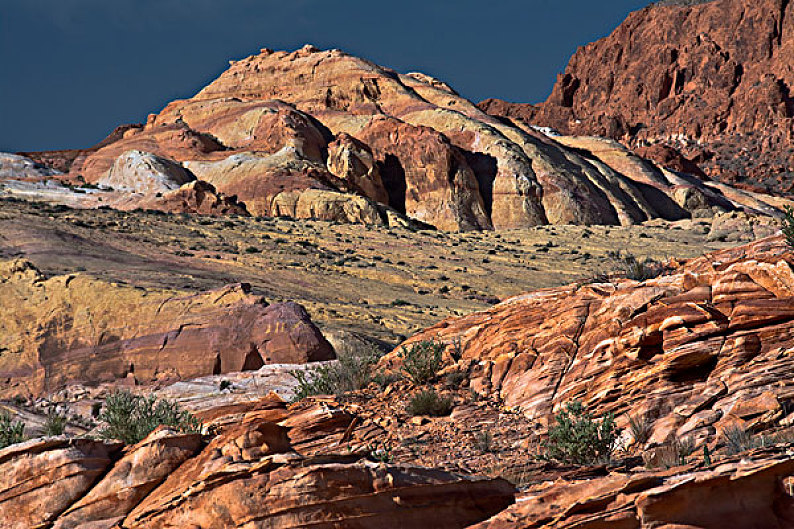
column 379, row 452
column 577, row 437
column 55, row 424
column 428, row 402
column 224, row 385
column 671, row 455
column 11, row 431
column 457, row 349
column 629, row 266
column 788, row 226
column 455, row 379
column 484, row 441
column 737, row 440
column 130, row 417
column 422, row 360
column 384, row 379
column 353, row 370
column 640, row 429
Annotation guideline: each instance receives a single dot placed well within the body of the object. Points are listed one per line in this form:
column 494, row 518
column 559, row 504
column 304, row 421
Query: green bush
column 130, row 417
column 421, row 360
column 428, row 402
column 353, row 370
column 788, row 226
column 578, row 438
column 11, row 432
column 55, row 424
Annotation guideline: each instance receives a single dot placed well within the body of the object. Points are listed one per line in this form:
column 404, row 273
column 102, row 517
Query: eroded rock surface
column 709, row 78
column 75, row 329
column 696, row 351
column 268, row 466
column 300, row 133
column 742, row 494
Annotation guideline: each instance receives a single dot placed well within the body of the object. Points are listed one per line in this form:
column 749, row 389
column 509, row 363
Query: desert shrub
column 55, row 424
column 457, row 349
column 640, row 429
column 428, row 402
column 788, row 226
column 737, row 439
column 130, row 417
column 629, row 266
column 384, row 379
column 224, row 385
column 353, row 370
column 579, row 438
column 455, row 379
column 672, row 454
column 422, row 360
column 11, row 431
column 484, row 441
column 379, row 452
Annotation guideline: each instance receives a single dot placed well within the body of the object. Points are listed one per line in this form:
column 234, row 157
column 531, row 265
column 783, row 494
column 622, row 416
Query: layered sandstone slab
column 268, row 466
column 41, row 478
column 706, row 347
column 741, row 494
column 75, row 329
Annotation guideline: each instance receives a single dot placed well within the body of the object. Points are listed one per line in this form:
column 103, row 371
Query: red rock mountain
column 323, row 134
column 711, row 79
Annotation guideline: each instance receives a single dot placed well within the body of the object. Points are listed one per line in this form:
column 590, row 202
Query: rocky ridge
column 694, row 352
column 326, row 135
column 711, row 79
column 267, row 466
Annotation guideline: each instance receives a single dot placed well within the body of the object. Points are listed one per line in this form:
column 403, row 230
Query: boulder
column 76, row 329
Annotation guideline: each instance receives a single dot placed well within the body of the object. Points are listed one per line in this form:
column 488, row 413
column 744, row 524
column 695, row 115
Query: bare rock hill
column 323, row 134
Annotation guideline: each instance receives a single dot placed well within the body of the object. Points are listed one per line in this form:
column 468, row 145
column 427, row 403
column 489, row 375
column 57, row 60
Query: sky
column 72, row 70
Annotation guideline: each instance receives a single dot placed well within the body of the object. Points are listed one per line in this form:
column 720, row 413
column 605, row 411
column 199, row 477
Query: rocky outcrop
column 22, row 168
column 320, row 127
column 194, row 197
column 40, row 479
column 141, row 468
column 260, row 470
column 145, row 173
column 742, row 494
column 75, row 329
column 677, row 73
column 695, row 351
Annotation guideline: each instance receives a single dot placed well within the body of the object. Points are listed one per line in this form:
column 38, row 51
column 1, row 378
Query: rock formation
column 741, row 494
column 145, row 173
column 267, row 467
column 695, row 351
column 711, row 79
column 75, row 329
column 322, row 134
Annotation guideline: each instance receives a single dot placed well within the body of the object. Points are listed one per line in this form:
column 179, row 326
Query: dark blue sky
column 74, row 69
